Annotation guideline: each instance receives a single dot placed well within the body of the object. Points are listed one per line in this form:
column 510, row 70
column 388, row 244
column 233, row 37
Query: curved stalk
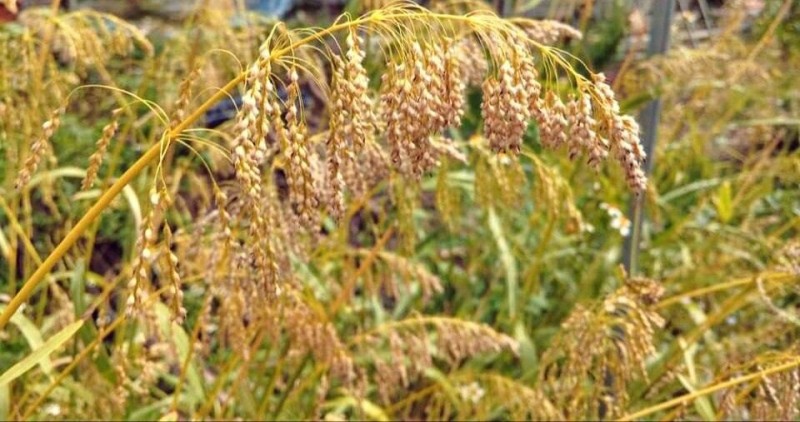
column 103, row 202
column 155, row 151
column 686, row 398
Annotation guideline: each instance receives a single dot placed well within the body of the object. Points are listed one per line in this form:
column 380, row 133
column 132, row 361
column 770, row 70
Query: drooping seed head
column 39, row 148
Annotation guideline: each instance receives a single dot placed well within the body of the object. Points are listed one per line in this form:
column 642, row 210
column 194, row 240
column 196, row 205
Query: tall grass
column 412, row 214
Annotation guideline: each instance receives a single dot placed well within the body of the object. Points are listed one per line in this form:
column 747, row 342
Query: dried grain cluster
column 351, row 123
column 39, row 148
column 421, row 97
column 411, row 350
column 406, row 123
column 608, row 344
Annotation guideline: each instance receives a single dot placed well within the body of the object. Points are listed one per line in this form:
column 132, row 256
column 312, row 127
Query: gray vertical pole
column 660, row 23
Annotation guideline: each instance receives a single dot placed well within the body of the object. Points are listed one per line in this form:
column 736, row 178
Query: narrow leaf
column 507, row 259
column 32, row 335
column 40, row 354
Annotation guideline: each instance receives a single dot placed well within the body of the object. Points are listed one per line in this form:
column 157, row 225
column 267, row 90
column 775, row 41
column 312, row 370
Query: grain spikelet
column 486, row 395
column 582, row 135
column 96, row 159
column 472, row 61
column 250, row 128
column 551, row 114
column 87, row 38
column 298, row 155
column 409, row 270
column 499, row 178
column 555, row 195
column 311, row 333
column 412, row 348
column 772, row 397
column 184, row 97
column 351, row 121
column 419, row 99
column 548, row 31
column 174, row 292
column 622, row 132
column 521, row 401
column 448, row 200
column 505, row 109
column 145, row 252
column 39, row 148
column 608, row 344
column 367, row 171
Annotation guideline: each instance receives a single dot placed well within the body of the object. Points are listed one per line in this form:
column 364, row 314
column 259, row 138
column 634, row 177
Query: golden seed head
column 39, row 148
column 549, row 31
column 506, row 106
column 418, row 102
column 582, row 134
column 96, row 159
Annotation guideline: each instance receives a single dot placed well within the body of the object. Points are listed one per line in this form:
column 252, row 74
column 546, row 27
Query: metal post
column 660, row 23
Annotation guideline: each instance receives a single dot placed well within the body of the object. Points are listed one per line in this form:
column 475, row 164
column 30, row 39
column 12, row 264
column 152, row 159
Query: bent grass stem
column 157, row 149
column 710, row 389
column 103, row 202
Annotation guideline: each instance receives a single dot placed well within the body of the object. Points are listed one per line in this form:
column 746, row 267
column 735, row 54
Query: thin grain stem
column 157, row 149
column 85, row 222
column 710, row 389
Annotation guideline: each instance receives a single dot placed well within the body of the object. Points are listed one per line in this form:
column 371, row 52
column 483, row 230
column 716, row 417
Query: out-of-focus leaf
column 32, row 335
column 182, row 342
column 150, row 412
column 5, row 402
column 77, row 288
column 527, row 350
column 723, row 201
column 40, row 354
column 702, row 404
column 507, row 259
column 371, row 410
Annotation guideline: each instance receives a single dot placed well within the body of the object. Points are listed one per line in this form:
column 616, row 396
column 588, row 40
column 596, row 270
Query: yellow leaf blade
column 40, row 353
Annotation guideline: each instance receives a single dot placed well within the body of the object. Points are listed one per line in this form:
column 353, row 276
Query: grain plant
column 405, row 213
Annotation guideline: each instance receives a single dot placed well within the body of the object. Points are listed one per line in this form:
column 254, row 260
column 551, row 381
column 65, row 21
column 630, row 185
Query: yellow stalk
column 722, row 287
column 158, row 149
column 103, row 202
column 84, row 353
column 710, row 389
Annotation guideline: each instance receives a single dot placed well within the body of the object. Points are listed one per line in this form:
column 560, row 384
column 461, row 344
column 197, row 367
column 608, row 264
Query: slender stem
column 156, row 149
column 408, row 322
column 74, row 363
column 45, row 50
column 710, row 389
column 212, row 397
column 672, row 355
column 371, row 256
column 102, row 334
column 273, row 379
column 143, row 161
column 103, row 202
column 17, row 228
column 721, row 287
column 538, row 255
column 289, row 385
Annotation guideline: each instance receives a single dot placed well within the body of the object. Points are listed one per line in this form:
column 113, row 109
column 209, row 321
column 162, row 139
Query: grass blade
column 40, row 354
